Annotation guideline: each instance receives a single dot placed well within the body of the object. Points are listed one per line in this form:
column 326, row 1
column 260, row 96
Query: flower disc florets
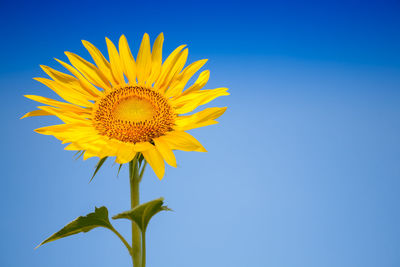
column 133, row 114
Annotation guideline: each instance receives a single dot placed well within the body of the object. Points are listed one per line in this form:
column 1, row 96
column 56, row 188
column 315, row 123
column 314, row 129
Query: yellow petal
column 36, row 113
column 66, row 93
column 63, row 78
column 88, row 141
column 93, row 74
column 182, row 79
column 101, row 145
column 116, row 66
column 156, row 59
column 107, row 150
column 182, row 141
column 176, row 67
column 165, row 151
column 88, row 155
column 155, row 160
column 100, row 60
column 200, row 119
column 167, row 65
column 55, row 103
column 128, row 62
column 94, row 145
column 50, row 130
column 199, row 83
column 214, row 93
column 73, row 147
column 68, row 81
column 125, row 153
column 140, row 147
column 188, row 103
column 144, row 60
column 82, row 80
column 64, row 115
column 72, row 97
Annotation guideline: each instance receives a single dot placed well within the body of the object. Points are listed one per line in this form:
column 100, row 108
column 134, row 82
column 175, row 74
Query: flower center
column 134, row 109
column 133, row 114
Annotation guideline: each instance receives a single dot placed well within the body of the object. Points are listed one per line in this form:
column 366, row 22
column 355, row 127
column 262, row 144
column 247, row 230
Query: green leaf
column 98, row 166
column 83, row 224
column 142, row 214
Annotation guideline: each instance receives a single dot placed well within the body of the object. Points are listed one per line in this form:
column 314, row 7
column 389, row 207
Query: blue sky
column 303, row 170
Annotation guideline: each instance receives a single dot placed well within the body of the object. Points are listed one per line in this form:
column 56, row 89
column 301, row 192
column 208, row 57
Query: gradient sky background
column 303, row 170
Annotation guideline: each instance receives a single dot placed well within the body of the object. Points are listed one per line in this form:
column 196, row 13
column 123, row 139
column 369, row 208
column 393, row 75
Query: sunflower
column 121, row 107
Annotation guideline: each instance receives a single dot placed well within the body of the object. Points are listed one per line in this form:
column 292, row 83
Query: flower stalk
column 136, row 233
column 138, row 250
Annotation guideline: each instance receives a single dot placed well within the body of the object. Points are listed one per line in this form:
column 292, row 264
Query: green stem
column 144, row 248
column 136, row 234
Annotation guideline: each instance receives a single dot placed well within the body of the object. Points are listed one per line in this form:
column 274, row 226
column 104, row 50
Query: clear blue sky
column 303, row 170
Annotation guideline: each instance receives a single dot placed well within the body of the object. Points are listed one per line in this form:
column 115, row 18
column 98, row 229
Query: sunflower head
column 124, row 106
